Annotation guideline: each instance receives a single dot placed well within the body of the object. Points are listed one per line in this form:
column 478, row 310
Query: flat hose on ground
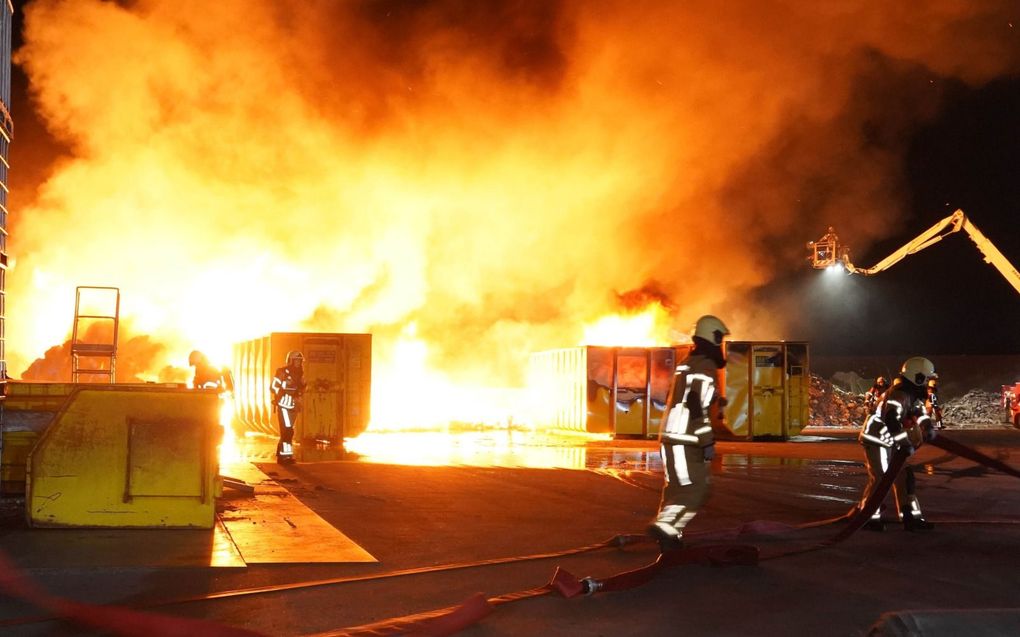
column 447, row 621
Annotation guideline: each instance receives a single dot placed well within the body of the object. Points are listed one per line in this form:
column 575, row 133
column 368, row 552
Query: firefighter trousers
column 876, row 462
column 686, row 487
column 286, row 418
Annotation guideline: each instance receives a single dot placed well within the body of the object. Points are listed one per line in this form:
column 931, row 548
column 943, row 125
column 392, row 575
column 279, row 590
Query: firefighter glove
column 903, row 446
column 708, row 451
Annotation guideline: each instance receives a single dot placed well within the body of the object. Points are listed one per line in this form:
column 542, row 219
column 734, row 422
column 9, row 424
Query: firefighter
column 899, row 424
column 931, row 403
column 872, row 396
column 207, row 376
column 287, row 388
column 685, row 440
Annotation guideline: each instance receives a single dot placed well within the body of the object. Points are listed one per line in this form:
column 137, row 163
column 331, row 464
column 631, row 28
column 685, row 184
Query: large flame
column 469, row 182
column 648, row 328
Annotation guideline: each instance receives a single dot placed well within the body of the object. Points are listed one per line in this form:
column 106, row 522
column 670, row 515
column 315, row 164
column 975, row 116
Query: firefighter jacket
column 933, row 408
column 209, row 377
column 287, row 388
column 901, row 419
column 693, row 391
column 871, row 398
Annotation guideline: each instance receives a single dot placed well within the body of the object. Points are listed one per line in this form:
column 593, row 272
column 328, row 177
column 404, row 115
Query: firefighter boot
column 912, row 523
column 664, row 530
column 875, row 523
column 912, row 518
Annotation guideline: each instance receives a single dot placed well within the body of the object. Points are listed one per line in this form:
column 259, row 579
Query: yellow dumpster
column 28, row 410
column 127, row 456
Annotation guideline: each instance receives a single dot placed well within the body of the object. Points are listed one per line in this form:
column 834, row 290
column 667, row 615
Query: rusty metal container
column 338, row 375
column 622, row 391
column 613, row 390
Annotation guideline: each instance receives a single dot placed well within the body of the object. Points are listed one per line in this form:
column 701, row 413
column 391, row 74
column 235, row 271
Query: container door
column 322, row 413
column 632, row 377
column 738, row 391
column 767, row 391
column 797, row 384
column 663, row 366
column 600, row 375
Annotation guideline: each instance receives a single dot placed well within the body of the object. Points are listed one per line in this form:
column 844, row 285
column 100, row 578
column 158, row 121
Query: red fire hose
column 134, row 623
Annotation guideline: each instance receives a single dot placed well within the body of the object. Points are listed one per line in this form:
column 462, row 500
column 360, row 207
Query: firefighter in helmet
column 900, row 423
column 685, row 439
column 207, row 376
column 932, row 404
column 287, row 388
column 872, row 396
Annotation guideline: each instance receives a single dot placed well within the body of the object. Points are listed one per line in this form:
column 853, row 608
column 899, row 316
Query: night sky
column 964, row 154
column 945, row 299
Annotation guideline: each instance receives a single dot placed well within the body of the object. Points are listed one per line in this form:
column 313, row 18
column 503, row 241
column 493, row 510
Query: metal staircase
column 97, row 347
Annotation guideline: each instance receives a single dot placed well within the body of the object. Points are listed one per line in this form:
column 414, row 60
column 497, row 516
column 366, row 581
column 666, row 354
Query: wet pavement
column 483, row 503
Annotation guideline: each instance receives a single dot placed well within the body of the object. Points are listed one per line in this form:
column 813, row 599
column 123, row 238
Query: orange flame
column 469, row 186
column 648, row 328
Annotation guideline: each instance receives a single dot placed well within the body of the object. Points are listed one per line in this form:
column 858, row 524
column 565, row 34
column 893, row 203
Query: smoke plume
column 486, row 177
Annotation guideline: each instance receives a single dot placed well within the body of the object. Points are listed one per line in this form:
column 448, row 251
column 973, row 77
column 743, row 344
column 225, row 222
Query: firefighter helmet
column 195, row 357
column 295, row 357
column 711, row 329
column 917, row 370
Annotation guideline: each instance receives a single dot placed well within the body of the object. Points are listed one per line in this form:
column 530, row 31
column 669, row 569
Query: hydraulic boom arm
column 953, row 223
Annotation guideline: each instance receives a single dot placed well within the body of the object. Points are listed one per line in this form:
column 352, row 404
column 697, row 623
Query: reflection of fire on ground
column 505, row 448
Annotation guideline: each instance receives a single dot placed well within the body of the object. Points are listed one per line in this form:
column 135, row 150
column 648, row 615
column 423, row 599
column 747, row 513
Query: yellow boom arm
column 951, row 224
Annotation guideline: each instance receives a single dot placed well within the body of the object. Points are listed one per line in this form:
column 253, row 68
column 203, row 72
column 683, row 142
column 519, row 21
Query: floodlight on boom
column 829, row 254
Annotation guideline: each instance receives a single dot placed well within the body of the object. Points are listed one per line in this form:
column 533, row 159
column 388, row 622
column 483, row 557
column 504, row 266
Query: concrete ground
column 414, row 517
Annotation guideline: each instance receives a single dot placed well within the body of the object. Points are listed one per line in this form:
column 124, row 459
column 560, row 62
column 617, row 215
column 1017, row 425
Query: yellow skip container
column 127, row 456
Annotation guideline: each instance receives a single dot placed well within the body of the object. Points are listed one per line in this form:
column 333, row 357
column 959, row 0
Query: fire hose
column 130, row 622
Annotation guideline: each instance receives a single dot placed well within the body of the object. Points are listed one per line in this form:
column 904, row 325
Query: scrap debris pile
column 976, row 407
column 833, row 406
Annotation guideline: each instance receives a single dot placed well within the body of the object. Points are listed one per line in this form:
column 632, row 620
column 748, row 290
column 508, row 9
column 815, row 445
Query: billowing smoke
column 486, row 177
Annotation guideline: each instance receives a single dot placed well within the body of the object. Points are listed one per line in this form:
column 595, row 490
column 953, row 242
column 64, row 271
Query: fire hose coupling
column 590, row 585
column 624, row 539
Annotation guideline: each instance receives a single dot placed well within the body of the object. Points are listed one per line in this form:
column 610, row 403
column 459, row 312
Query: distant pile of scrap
column 832, row 406
column 976, row 407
